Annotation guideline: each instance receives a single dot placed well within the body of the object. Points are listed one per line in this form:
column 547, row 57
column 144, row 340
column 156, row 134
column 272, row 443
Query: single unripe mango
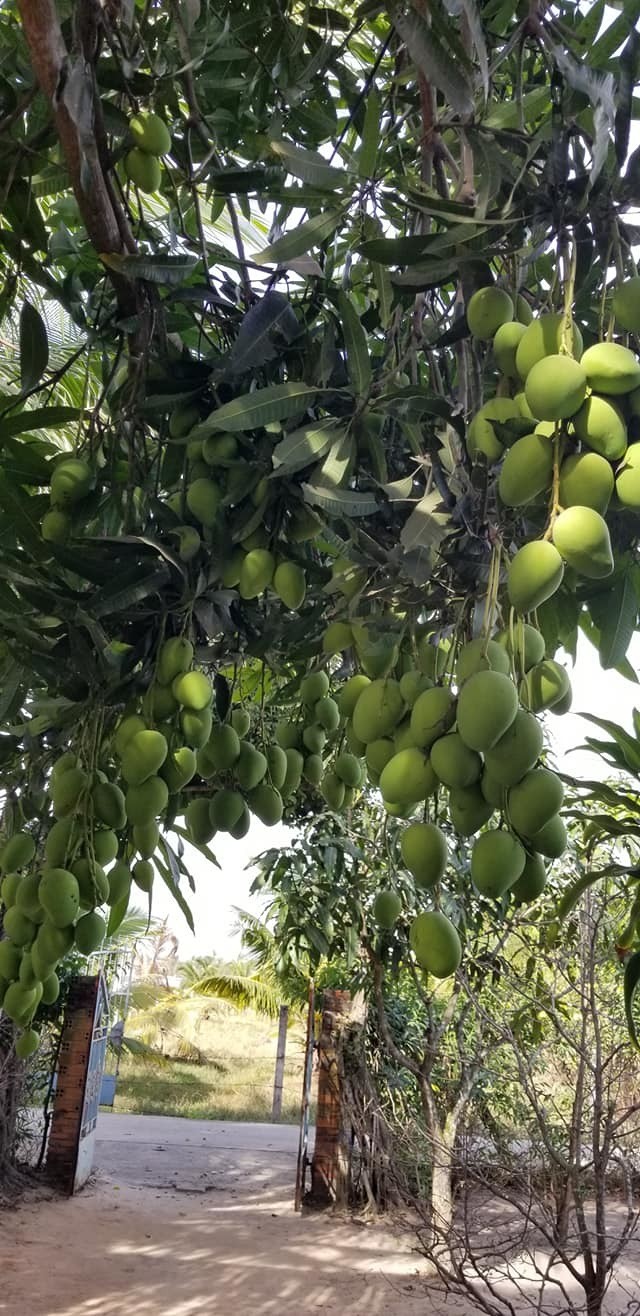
column 435, row 944
column 143, row 170
column 524, row 643
column 626, row 304
column 312, row 772
column 290, row 585
column 482, row 436
column 505, row 346
column 179, row 768
column 581, row 536
column 407, row 778
column 225, row 809
column 527, row 470
column 333, row 790
column 544, row 685
column 628, row 478
column 199, row 823
column 378, row 710
column 517, row 750
column 412, row 684
column 256, row 573
column 611, row 368
column 175, row 657
column 17, row 853
column 126, row 730
column 143, row 874
column 480, row 655
column 454, row 764
column 196, row 726
column 600, row 423
column 59, row 896
column 543, row 337
column 497, row 861
column 556, row 387
column 551, row 840
column 193, row 690
column 337, row 637
column 67, row 791
column 327, row 714
column 267, row 805
column 387, row 908
column 251, row 766
column 55, row 527
column 487, row 309
column 143, row 756
column 108, row 805
column 469, row 810
column 350, row 693
column 492, row 790
column 586, row 480
column 347, row 768
column 119, row 883
column 487, row 705
column 71, row 481
column 146, row 801
column 203, row 500
column 532, row 881
column 223, row 747
column 378, row 754
column 535, row 573
column 432, row 714
column 90, row 933
column 534, row 801
column 150, row 134
column 423, row 847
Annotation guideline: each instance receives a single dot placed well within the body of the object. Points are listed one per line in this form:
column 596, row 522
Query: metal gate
column 304, row 1159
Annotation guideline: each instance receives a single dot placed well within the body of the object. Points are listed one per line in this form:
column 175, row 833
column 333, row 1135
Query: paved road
column 157, row 1151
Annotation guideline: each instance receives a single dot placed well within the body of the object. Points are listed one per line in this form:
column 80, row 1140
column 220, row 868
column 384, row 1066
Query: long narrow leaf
column 356, row 345
column 302, row 240
column 253, row 410
column 631, row 984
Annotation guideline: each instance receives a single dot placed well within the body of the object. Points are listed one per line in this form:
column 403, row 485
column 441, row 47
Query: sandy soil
column 186, row 1216
column 184, row 1221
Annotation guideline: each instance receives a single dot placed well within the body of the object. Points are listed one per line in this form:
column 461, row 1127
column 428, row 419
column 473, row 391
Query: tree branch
column 52, row 66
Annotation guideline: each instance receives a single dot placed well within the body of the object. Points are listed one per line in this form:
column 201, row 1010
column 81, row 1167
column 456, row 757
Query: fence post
column 329, row 1166
column 278, row 1082
column 80, row 1068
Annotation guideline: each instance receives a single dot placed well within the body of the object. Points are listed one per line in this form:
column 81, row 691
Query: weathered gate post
column 329, row 1167
column 81, row 1063
column 278, row 1082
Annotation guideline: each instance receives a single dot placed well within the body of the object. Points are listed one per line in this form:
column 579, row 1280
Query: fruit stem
column 491, row 598
column 555, row 488
column 566, row 340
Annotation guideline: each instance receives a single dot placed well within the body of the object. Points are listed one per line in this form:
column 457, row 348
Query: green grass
column 235, row 1081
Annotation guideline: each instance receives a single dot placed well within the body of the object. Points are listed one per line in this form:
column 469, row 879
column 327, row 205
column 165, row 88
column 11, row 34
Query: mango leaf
column 615, row 612
column 154, row 269
column 356, row 345
column 614, row 35
column 303, row 446
column 262, row 331
column 427, row 525
column 627, row 743
column 167, row 874
column 340, row 502
column 309, row 166
column 439, row 65
column 253, row 410
column 41, row 418
column 338, row 461
column 116, row 915
column 298, row 243
column 573, row 893
column 631, row 983
column 34, row 347
column 368, row 153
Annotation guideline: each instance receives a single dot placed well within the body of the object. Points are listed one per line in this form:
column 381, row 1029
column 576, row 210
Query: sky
column 219, row 891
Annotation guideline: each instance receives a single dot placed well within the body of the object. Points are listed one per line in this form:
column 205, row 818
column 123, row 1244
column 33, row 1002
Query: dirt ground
column 184, row 1217
column 188, row 1216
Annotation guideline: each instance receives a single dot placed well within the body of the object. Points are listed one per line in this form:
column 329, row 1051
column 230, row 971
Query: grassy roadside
column 234, row 1082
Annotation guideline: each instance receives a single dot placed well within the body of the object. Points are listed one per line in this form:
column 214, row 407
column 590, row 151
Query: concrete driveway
column 158, row 1151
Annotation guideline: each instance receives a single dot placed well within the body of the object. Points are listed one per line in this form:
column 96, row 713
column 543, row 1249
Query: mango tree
column 319, row 434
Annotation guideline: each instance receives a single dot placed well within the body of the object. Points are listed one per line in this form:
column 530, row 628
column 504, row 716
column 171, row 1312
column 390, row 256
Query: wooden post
column 278, row 1082
column 80, row 1066
column 329, row 1164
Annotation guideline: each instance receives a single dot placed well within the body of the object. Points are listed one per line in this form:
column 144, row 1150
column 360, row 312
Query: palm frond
column 243, row 991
